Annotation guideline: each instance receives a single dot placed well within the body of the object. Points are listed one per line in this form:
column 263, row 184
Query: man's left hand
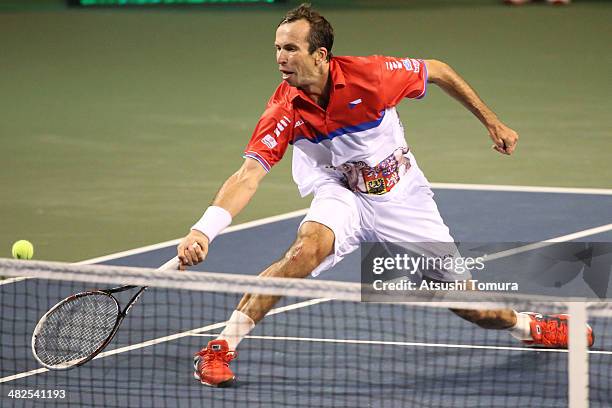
column 505, row 139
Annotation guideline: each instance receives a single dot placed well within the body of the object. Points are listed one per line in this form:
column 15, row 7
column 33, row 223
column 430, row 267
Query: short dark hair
column 321, row 32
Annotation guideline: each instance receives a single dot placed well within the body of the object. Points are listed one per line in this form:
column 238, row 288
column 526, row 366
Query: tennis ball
column 23, row 249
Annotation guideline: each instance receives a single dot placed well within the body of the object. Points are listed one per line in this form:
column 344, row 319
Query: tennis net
column 320, row 346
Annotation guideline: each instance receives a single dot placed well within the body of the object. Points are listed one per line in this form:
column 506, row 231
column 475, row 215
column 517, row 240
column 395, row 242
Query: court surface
column 473, row 215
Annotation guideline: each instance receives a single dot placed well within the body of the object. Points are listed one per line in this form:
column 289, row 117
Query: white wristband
column 214, row 220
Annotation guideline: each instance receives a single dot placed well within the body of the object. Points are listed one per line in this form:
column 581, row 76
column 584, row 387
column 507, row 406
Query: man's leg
column 412, row 216
column 530, row 328
column 313, row 244
column 489, row 319
column 495, row 319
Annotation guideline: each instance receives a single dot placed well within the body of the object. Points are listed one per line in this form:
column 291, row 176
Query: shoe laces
column 554, row 330
column 213, row 357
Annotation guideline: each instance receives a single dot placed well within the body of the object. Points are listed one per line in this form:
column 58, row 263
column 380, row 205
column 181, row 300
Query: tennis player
column 349, row 150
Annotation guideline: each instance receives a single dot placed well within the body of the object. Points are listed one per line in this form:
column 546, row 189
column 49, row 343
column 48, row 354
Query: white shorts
column 407, row 213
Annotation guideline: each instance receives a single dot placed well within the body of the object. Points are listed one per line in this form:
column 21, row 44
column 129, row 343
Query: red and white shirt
column 359, row 124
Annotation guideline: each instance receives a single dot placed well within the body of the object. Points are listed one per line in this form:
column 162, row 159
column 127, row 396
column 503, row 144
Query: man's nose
column 281, row 57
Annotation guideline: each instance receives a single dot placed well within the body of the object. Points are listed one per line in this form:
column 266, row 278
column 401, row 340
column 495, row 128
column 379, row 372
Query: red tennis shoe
column 552, row 331
column 211, row 364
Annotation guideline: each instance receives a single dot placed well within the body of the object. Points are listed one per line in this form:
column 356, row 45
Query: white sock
column 522, row 329
column 238, row 326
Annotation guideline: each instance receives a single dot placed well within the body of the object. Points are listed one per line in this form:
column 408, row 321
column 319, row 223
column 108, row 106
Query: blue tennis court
column 305, row 355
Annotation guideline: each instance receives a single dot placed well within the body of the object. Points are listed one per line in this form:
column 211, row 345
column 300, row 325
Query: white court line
column 548, row 242
column 522, row 189
column 161, row 245
column 199, row 333
column 407, row 343
column 164, row 339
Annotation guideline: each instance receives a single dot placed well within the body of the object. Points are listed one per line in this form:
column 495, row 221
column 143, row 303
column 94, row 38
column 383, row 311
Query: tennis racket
column 79, row 327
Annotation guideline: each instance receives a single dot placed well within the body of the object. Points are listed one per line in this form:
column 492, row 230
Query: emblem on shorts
column 376, row 186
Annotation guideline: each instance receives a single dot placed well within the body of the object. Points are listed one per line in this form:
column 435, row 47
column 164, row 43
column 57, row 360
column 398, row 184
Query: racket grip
column 172, row 264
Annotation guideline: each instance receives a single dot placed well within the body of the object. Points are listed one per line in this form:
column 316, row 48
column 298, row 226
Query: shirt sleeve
column 270, row 137
column 402, row 78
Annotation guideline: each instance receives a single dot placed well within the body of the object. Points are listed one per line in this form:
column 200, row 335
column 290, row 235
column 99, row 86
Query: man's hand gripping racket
column 192, row 249
column 79, row 327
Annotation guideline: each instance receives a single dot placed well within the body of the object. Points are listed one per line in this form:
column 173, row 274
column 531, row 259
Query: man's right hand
column 192, row 249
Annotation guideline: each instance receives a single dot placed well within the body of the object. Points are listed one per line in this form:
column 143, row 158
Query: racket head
column 75, row 330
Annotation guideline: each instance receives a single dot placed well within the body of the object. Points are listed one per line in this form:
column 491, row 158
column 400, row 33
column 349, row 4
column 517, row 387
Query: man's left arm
column 445, row 77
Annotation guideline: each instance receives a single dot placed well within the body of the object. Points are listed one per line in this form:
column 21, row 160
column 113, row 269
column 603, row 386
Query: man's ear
column 321, row 55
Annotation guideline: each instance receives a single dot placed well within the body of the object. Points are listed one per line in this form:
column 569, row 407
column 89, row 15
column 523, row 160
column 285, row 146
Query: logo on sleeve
column 281, row 125
column 269, row 141
column 393, row 65
column 412, row 65
column 407, row 64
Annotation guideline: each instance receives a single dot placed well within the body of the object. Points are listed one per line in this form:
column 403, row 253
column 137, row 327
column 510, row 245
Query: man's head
column 304, row 40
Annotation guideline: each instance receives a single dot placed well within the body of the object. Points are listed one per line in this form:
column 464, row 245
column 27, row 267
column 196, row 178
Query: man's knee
column 313, row 244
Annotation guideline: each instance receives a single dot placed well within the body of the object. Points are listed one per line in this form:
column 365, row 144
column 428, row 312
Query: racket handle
column 172, row 264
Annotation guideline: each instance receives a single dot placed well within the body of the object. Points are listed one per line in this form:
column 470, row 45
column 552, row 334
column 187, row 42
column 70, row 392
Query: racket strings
column 76, row 329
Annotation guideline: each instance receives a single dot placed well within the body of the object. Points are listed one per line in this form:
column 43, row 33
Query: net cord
column 100, row 276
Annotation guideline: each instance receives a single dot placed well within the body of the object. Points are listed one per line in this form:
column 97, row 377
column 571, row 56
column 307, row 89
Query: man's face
column 296, row 65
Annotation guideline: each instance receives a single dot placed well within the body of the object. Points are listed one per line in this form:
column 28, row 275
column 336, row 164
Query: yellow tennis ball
column 23, row 249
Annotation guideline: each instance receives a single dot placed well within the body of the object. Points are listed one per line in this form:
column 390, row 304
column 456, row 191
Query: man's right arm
column 232, row 197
